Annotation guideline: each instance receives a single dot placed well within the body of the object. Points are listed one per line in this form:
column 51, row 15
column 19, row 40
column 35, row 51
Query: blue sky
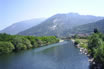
column 12, row 11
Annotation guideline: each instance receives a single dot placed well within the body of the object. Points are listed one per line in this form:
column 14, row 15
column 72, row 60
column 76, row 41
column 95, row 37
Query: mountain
column 88, row 28
column 59, row 23
column 21, row 26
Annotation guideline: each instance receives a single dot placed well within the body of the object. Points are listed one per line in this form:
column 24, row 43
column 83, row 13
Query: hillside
column 88, row 28
column 59, row 23
column 21, row 26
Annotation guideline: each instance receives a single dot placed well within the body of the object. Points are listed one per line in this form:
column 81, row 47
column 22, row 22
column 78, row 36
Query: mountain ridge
column 88, row 28
column 57, row 24
column 22, row 25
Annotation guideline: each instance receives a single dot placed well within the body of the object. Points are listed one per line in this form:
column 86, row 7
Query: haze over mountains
column 60, row 24
column 21, row 26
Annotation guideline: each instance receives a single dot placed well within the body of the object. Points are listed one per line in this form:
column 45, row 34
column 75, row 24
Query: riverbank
column 12, row 43
column 83, row 49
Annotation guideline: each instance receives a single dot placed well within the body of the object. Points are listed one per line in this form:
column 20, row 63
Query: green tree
column 33, row 41
column 94, row 42
column 27, row 42
column 6, row 47
column 99, row 54
column 21, row 43
column 21, row 46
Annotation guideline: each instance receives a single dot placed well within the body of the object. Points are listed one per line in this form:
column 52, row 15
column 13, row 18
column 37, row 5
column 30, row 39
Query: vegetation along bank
column 93, row 47
column 13, row 43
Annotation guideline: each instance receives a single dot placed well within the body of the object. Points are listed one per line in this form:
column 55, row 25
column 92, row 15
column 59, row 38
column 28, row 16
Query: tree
column 99, row 54
column 96, row 30
column 26, row 42
column 33, row 41
column 94, row 42
column 21, row 43
column 21, row 46
column 6, row 47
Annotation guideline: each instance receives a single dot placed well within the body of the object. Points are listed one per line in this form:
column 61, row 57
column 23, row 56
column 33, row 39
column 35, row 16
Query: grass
column 83, row 42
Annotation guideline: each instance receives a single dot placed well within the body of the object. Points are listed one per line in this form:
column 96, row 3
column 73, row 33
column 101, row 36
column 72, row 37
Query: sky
column 12, row 11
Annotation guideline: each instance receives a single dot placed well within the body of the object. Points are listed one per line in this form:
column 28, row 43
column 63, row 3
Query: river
column 61, row 55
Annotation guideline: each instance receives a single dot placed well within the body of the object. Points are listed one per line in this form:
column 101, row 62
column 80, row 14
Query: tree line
column 12, row 43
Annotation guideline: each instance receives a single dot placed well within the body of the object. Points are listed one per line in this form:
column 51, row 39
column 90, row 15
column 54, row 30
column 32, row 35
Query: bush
column 33, row 41
column 21, row 43
column 96, row 47
column 27, row 43
column 6, row 47
column 21, row 46
column 94, row 42
column 99, row 54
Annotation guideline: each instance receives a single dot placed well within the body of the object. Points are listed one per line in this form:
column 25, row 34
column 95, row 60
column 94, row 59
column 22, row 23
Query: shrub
column 99, row 54
column 21, row 46
column 94, row 42
column 21, row 43
column 27, row 43
column 33, row 41
column 6, row 47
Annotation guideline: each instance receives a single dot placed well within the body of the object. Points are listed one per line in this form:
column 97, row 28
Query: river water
column 56, row 56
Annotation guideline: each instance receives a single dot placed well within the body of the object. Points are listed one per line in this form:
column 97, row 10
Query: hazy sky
column 12, row 11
